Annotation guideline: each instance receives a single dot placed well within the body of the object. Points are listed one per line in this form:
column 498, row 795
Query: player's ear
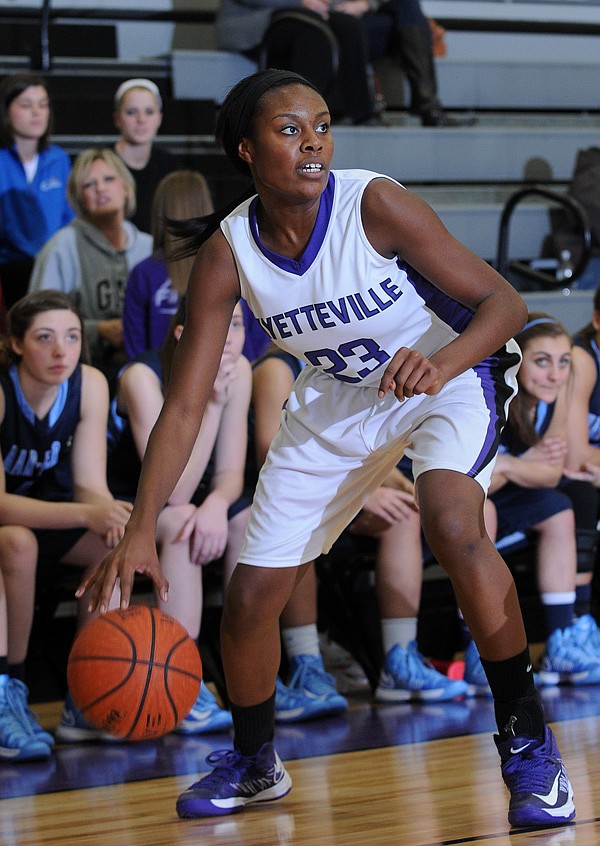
column 244, row 150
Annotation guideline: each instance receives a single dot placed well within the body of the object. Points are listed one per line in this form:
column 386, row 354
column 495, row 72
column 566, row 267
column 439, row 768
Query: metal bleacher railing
column 41, row 58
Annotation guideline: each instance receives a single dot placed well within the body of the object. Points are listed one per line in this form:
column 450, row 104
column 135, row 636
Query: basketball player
column 407, row 338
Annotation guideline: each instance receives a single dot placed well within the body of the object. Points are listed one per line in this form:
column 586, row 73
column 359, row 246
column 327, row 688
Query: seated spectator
column 156, row 283
column 138, row 116
column 205, row 517
column 390, row 515
column 91, row 257
column 400, row 30
column 531, row 495
column 55, row 505
column 33, row 180
column 301, row 48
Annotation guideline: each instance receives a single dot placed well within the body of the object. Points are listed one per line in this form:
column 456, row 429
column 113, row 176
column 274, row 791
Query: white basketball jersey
column 341, row 306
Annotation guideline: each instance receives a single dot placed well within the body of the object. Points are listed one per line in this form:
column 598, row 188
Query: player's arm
column 212, row 292
column 399, row 223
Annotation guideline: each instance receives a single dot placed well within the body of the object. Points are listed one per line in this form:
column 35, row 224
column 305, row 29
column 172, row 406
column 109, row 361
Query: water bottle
column 564, row 271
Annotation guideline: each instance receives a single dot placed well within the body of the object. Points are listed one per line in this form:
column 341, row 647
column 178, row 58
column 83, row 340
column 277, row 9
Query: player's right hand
column 408, row 374
column 136, row 553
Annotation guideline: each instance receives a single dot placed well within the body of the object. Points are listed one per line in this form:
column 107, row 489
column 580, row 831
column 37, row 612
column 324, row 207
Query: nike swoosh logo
column 529, row 668
column 552, row 797
column 519, row 749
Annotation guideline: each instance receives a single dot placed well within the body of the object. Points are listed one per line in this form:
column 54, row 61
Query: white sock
column 301, row 640
column 398, row 631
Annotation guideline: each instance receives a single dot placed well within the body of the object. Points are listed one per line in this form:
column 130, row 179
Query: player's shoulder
column 361, row 177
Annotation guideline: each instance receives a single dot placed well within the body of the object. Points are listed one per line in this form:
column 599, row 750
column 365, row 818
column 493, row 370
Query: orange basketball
column 134, row 674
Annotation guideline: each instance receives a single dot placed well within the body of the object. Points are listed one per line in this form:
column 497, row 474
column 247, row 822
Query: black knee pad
column 587, row 547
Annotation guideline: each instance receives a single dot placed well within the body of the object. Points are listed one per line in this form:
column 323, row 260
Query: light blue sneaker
column 22, row 693
column 205, row 716
column 17, row 741
column 565, row 661
column 74, row 728
column 475, row 677
column 586, row 634
column 406, row 675
column 310, row 677
column 294, row 706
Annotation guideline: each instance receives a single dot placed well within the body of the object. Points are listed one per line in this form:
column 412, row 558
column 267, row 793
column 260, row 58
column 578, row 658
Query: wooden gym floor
column 407, row 775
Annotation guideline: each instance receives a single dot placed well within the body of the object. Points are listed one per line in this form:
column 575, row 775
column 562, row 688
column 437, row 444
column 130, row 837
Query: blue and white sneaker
column 74, row 728
column 295, row 706
column 310, row 678
column 22, row 693
column 533, row 771
column 206, row 715
column 235, row 782
column 566, row 661
column 586, row 634
column 406, row 675
column 17, row 741
column 475, row 677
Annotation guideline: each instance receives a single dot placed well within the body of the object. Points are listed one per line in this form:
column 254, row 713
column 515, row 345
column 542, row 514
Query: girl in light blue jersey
column 55, row 505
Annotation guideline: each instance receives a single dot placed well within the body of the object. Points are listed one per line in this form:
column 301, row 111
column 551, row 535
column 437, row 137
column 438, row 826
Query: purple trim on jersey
column 491, row 371
column 301, row 265
column 454, row 314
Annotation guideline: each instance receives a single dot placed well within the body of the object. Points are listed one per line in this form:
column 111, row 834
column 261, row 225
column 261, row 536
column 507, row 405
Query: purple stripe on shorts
column 491, row 371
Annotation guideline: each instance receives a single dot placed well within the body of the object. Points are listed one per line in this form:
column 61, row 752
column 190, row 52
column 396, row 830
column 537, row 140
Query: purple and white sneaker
column 235, row 782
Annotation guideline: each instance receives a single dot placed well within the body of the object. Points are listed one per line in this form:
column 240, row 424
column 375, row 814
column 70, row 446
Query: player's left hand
column 410, row 373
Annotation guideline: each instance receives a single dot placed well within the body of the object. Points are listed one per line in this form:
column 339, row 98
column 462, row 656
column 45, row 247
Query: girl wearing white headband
column 138, row 116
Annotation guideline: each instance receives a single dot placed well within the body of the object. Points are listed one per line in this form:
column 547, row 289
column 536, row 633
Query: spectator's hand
column 113, row 536
column 550, row 449
column 228, row 372
column 357, row 8
column 410, row 373
column 207, row 530
column 385, row 507
column 320, row 7
column 112, row 331
column 108, row 517
column 588, row 473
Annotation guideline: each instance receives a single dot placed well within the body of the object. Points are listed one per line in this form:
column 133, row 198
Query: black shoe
column 438, row 117
column 376, row 119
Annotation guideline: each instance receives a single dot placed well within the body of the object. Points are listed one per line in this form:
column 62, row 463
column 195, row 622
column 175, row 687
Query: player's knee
column 454, row 536
column 18, row 548
column 171, row 520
